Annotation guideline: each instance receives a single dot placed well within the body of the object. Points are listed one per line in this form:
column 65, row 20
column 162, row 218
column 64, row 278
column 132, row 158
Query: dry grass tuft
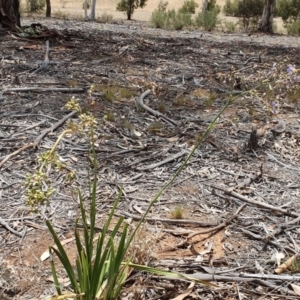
column 141, row 249
column 177, row 212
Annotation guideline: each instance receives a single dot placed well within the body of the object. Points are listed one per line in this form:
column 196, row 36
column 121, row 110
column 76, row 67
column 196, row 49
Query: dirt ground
column 190, row 75
column 70, row 9
column 109, row 6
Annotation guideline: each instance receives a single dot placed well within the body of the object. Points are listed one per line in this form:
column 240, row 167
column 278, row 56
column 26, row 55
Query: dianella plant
column 103, row 264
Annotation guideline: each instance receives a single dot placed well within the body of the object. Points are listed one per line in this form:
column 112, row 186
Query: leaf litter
column 239, row 195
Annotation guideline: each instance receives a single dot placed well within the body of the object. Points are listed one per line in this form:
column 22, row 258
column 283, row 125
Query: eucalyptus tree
column 128, row 6
column 266, row 23
column 93, row 10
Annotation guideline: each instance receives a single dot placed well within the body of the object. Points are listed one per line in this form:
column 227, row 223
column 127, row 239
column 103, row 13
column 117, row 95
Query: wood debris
column 239, row 194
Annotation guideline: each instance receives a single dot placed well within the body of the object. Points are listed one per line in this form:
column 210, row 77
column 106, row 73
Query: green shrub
column 289, row 11
column 158, row 19
column 230, row 8
column 35, row 5
column 129, row 6
column 208, row 20
column 162, row 5
column 61, row 14
column 212, row 5
column 170, row 19
column 181, row 20
column 105, row 18
column 249, row 11
column 242, row 8
column 230, row 26
column 188, row 7
column 294, row 28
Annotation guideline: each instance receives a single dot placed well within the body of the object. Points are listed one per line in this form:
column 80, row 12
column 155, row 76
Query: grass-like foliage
column 230, row 26
column 113, row 92
column 294, row 28
column 208, row 20
column 171, row 19
column 249, row 12
column 188, row 7
column 102, row 265
column 289, row 11
column 35, row 5
column 104, row 259
column 61, row 14
column 182, row 18
column 158, row 19
column 100, row 268
column 177, row 212
column 105, row 18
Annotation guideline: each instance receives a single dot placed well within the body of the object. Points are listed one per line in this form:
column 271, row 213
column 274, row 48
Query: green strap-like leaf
column 63, row 257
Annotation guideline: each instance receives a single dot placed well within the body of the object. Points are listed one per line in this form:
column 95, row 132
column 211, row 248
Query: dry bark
column 9, row 14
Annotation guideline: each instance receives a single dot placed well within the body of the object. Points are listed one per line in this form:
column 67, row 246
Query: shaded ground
column 191, row 76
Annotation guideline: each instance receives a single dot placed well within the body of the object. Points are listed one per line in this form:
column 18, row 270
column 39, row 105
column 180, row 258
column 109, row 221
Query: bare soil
column 191, row 76
column 74, row 8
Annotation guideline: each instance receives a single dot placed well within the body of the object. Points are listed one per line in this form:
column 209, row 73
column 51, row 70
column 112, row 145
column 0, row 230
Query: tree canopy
column 128, row 6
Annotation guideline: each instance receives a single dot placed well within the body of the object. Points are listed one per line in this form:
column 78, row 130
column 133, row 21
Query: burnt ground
column 191, row 76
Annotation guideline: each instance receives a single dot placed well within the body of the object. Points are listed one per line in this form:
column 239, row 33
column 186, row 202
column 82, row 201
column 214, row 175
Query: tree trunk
column 266, row 23
column 204, row 6
column 9, row 14
column 85, row 4
column 93, row 10
column 48, row 9
column 128, row 15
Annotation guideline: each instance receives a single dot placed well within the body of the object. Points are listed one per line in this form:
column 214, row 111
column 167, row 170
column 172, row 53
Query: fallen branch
column 275, row 287
column 152, row 111
column 170, row 221
column 53, row 128
column 261, row 238
column 38, row 139
column 246, row 277
column 251, row 201
column 220, row 226
column 39, row 89
column 280, row 228
column 163, row 162
column 3, row 223
column 242, row 276
column 8, row 157
column 273, row 158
